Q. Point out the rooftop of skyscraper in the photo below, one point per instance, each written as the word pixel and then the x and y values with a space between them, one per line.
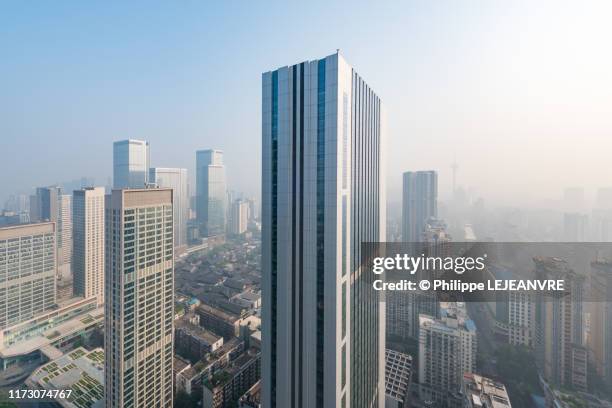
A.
pixel 455 315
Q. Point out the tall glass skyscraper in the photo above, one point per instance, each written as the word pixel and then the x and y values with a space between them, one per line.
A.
pixel 322 197
pixel 211 192
pixel 139 295
pixel 130 163
pixel 419 203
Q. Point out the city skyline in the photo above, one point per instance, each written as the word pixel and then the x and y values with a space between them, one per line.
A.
pixel 315 205
pixel 453 90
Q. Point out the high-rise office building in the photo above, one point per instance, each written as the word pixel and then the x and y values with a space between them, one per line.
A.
pixel 211 195
pixel 139 298
pixel 447 349
pixel 575 227
pixel 405 307
pixel 419 203
pixel 253 209
pixel 600 333
pixel 573 199
pixel 88 242
pixel 44 204
pixel 65 220
pixel 601 225
pixel 604 198
pixel 18 203
pixel 130 163
pixel 49 204
pixel 27 271
pixel 322 197
pixel 177 180
pixel 559 342
pixel 239 217
pixel 403 311
pixel 521 318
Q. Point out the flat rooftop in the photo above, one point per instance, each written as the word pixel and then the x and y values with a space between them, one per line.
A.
pixel 52 335
pixel 196 331
pixel 398 374
pixel 231 318
pixel 483 391
pixel 81 371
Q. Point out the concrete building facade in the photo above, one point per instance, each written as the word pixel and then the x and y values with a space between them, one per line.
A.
pixel 139 298
pixel 88 242
pixel 27 271
pixel 177 180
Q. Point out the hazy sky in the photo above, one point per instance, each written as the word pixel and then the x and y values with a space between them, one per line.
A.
pixel 519 92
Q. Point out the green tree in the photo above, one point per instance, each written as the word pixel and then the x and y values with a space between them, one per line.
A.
pixel 517 369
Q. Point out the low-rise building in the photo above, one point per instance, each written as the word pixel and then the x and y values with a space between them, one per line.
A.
pixel 179 365
pixel 78 375
pixel 251 398
pixel 225 387
pixel 255 339
pixel 398 378
pixel 188 377
pixel 34 340
pixel 480 392
pixel 249 324
pixel 247 299
pixel 194 342
pixel 222 323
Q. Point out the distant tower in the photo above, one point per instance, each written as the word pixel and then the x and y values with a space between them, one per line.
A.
pixel 88 242
pixel 211 195
pixel 130 163
pixel 419 203
pixel 176 179
pixel 50 204
pixel 239 216
pixel 455 167
pixel 560 326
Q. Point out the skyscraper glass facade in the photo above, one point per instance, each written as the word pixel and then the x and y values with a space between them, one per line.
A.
pixel 320 200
